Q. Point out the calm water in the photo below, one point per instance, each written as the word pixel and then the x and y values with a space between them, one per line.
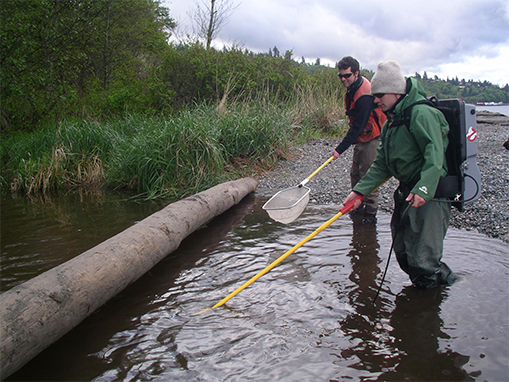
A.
pixel 310 318
pixel 40 233
pixel 502 109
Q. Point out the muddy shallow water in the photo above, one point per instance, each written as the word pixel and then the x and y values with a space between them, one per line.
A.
pixel 310 318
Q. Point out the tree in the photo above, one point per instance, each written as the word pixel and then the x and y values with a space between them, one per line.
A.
pixel 210 17
pixel 60 58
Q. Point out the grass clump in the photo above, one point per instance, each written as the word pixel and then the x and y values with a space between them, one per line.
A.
pixel 317 103
pixel 151 156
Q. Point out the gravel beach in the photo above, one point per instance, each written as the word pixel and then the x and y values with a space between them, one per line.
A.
pixel 489 214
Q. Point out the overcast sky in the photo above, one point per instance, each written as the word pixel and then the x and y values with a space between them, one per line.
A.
pixel 448 38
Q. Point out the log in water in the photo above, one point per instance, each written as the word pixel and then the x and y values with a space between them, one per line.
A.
pixel 38 312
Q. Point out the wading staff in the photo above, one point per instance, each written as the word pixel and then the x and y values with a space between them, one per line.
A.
pixel 342 211
pixel 396 230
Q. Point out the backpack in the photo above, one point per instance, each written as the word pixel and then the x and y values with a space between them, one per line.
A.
pixel 463 181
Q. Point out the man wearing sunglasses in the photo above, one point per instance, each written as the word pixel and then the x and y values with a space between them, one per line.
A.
pixel 415 155
pixel 366 120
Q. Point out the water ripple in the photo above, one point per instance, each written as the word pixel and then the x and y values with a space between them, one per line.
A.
pixel 310 318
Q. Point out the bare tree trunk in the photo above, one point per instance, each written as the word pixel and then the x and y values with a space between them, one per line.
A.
pixel 210 29
pixel 208 20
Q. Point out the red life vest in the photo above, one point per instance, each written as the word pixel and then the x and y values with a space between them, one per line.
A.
pixel 376 119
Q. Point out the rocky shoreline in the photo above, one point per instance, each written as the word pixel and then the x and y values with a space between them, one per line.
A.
pixel 489 215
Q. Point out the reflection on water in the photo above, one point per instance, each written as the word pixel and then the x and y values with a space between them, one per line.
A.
pixel 311 317
pixel 39 233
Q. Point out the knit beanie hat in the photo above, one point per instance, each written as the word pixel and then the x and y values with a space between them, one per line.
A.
pixel 388 79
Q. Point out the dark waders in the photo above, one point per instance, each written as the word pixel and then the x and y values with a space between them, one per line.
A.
pixel 418 240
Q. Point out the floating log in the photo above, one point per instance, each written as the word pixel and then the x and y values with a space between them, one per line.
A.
pixel 35 314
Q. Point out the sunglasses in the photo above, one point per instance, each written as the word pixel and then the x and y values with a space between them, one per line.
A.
pixel 346 75
pixel 379 95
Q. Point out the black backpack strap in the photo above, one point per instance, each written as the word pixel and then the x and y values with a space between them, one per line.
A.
pixel 407 113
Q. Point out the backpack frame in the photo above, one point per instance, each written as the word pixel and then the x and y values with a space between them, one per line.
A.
pixel 463 181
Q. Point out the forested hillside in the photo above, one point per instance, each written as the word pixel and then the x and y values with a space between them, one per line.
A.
pixel 98 59
pixel 469 90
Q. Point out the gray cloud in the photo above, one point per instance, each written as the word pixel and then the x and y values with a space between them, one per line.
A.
pixel 422 35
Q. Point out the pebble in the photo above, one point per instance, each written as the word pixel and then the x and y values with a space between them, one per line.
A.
pixel 488 215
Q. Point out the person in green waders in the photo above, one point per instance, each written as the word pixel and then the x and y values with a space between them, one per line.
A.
pixel 415 155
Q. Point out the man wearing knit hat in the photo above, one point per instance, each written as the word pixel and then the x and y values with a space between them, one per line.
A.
pixel 415 155
pixel 366 121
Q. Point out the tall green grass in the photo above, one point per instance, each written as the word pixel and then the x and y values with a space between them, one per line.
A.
pixel 152 156
pixel 170 156
pixel 318 104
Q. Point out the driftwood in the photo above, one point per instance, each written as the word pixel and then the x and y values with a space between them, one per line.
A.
pixel 35 314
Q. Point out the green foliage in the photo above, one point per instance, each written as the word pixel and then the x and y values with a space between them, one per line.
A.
pixel 197 74
pixel 158 119
pixel 55 156
pixel 97 59
pixel 56 56
pixel 470 91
